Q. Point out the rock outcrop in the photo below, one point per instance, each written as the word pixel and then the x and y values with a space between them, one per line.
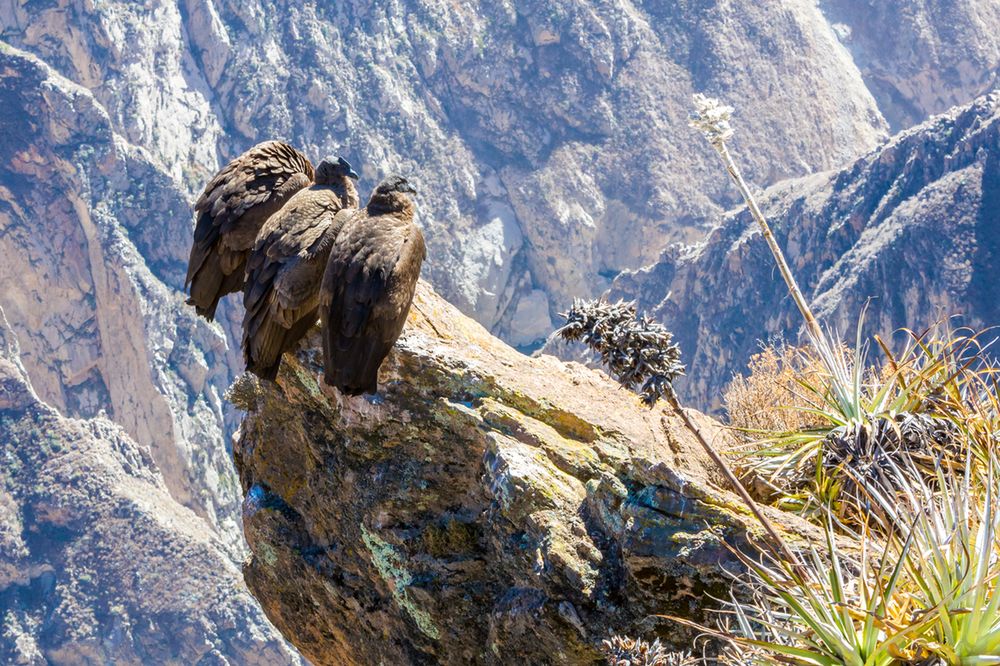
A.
pixel 484 507
pixel 913 226
pixel 98 563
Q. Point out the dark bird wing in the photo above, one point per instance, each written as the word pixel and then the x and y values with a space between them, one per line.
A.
pixel 367 289
pixel 231 211
pixel 283 277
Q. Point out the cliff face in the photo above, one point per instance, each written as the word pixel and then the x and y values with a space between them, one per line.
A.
pixel 548 139
pixel 484 507
pixel 98 563
pixel 94 239
pixel 923 57
pixel 912 226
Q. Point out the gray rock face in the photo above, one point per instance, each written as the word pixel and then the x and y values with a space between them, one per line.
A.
pixel 485 508
pixel 98 563
pixel 94 238
pixel 920 58
pixel 913 226
pixel 548 139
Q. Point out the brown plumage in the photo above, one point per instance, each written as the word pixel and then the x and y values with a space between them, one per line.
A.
pixel 285 268
pixel 231 211
pixel 368 287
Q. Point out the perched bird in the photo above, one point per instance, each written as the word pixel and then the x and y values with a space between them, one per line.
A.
pixel 285 268
pixel 232 210
pixel 368 287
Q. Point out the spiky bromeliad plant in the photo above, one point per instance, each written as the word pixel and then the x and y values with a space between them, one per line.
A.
pixel 923 592
pixel 624 651
pixel 921 403
pixel 863 422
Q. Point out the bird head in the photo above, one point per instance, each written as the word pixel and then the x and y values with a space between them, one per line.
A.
pixel 390 196
pixel 333 170
pixel 394 184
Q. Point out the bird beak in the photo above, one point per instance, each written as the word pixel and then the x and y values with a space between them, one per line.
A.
pixel 351 173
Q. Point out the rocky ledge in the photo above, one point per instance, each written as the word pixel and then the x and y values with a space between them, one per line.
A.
pixel 485 507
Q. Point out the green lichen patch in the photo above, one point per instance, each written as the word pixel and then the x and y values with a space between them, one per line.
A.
pixel 390 566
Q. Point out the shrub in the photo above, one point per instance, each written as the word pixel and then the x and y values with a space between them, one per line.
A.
pixel 769 399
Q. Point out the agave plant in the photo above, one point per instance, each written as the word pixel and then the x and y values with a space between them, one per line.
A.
pixel 847 611
pixel 922 589
pixel 952 568
pixel 862 423
pixel 908 452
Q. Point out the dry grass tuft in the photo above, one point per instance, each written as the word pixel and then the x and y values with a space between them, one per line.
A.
pixel 770 398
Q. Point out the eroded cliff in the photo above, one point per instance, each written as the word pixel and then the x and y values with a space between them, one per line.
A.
pixel 99 563
pixel 94 238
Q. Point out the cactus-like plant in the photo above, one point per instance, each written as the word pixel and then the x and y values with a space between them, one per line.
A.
pixel 624 651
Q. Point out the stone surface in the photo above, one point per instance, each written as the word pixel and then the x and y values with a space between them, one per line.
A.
pixel 920 58
pixel 95 240
pixel 484 507
pixel 98 563
pixel 912 228
pixel 548 139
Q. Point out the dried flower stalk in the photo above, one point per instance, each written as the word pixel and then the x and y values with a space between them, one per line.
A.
pixel 712 119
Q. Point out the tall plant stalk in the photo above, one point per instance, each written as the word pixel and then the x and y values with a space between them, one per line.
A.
pixel 779 546
pixel 713 120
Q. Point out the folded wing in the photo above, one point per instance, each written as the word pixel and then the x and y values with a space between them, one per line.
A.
pixel 367 289
pixel 284 271
pixel 230 213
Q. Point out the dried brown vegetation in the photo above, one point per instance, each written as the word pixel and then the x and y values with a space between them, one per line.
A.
pixel 770 398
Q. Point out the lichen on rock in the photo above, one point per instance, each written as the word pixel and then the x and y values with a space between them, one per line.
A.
pixel 484 507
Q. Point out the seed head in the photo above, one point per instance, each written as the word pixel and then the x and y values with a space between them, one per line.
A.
pixel 711 118
pixel 639 352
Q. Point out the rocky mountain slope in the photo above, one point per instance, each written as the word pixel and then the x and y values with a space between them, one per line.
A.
pixel 548 139
pixel 95 238
pixel 913 226
pixel 98 562
pixel 484 508
pixel 920 58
